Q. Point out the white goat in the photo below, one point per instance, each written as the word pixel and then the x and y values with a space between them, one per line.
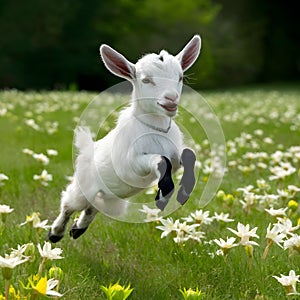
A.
pixel 146 144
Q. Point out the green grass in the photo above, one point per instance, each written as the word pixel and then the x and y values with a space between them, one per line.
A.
pixel 112 251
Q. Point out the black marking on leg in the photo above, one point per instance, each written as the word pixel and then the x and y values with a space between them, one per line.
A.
pixel 187 183
pixel 165 183
pixel 76 232
pixel 53 238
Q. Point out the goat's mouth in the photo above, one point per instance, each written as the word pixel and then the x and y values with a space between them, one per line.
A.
pixel 169 107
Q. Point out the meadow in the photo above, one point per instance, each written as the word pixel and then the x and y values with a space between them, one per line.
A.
pixel 256 206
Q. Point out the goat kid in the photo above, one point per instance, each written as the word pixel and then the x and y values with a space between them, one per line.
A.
pixel 145 146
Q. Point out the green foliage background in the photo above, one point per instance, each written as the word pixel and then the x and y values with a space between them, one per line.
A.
pixel 54 44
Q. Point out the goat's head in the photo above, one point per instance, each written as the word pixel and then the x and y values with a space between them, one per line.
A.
pixel 156 78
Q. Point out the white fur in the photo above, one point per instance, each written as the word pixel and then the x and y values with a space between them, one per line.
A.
pixel 126 160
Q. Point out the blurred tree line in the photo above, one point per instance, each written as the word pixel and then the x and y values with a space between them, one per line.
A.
pixel 55 44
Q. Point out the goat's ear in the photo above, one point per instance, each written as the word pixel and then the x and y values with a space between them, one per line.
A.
pixel 117 63
pixel 189 53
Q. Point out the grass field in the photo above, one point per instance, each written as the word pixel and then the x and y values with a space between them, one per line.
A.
pixel 261 127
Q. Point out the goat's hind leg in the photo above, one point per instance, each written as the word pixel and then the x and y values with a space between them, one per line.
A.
pixel 187 183
pixel 82 224
pixel 72 200
pixel 58 227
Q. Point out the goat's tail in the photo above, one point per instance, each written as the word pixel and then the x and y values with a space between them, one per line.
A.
pixel 84 141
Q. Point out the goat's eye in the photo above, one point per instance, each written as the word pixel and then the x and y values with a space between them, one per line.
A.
pixel 146 80
pixel 180 78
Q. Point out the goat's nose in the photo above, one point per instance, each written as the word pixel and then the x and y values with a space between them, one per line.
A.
pixel 171 96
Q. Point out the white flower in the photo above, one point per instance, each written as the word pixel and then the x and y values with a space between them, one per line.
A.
pixel 283 193
pixel 222 217
pixel 276 212
pixel 31 123
pixel 2 178
pixel 151 191
pixel 277 156
pixel 168 226
pixel 282 171
pixel 41 158
pixel 44 177
pixel 268 199
pixel 200 217
pixel 5 209
pixel 293 189
pixel 11 261
pixel 184 232
pixel 258 132
pixel 249 200
pixel 51 284
pixel 286 225
pixel 225 245
pixel 47 252
pixel 45 287
pixel 246 189
pixel 20 250
pixel 293 243
pixel 36 222
pixel 244 233
pixel 268 140
pixel 151 213
pixel 69 178
pixel 289 281
pixel 275 234
pixel 52 152
pixel 28 151
pixel 196 235
pixel 3 112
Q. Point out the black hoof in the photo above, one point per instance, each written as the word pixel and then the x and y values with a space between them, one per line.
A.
pixel 76 232
pixel 54 238
pixel 162 201
pixel 187 183
pixel 182 196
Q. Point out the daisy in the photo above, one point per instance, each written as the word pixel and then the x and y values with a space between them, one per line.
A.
pixel 47 252
pixel 43 178
pixel 41 158
pixel 286 226
pixel 11 261
pixel 289 282
pixel 275 234
pixel 2 178
pixel 5 209
pixel 293 243
pixel 52 152
pixel 222 217
pixel 151 213
pixel 226 245
pixel 293 189
pixel 168 226
pixel 244 233
pixel 199 217
pixel 196 235
pixel 276 212
pixel 36 222
pixel 28 151
pixel 184 232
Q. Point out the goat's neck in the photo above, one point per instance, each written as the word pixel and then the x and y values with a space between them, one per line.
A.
pixel 156 120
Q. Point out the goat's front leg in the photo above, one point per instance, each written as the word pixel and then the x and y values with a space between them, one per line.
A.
pixel 162 167
pixel 165 183
pixel 187 183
